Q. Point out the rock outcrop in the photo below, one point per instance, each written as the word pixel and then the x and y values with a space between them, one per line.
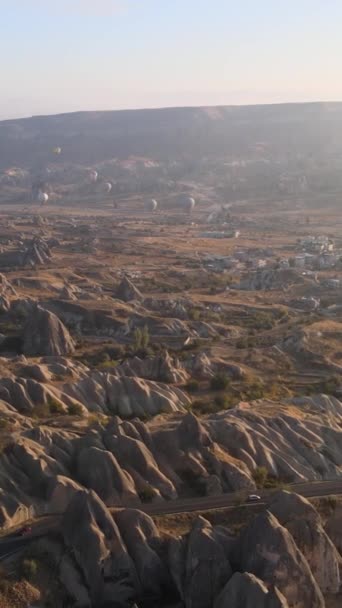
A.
pixel 127 291
pixel 100 554
pixel 119 558
pixel 267 549
pixel 304 523
pixel 244 590
pixel 162 368
pixel 126 461
pixel 267 279
pixel 199 565
pixel 45 334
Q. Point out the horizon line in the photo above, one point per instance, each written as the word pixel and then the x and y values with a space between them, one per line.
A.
pixel 175 107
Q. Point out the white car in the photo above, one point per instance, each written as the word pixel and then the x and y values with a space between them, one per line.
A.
pixel 253 498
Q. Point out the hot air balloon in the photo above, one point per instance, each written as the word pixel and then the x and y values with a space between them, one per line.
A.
pixel 93 175
pixel 107 187
pixel 57 150
pixel 187 203
pixel 42 197
pixel 151 205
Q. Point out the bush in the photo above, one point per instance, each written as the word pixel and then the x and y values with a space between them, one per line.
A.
pixel 330 385
pixel 75 409
pixel 329 502
pixel 96 418
pixel 41 410
pixel 141 338
pixel 55 407
pixel 201 407
pixel 147 494
pixel 29 568
pixel 194 314
pixel 260 475
pixel 219 382
pixel 242 343
pixel 108 365
pixel 224 402
pixel 192 386
pixel 4 424
pixel 253 389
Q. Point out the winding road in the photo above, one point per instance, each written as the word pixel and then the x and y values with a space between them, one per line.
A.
pixel 13 542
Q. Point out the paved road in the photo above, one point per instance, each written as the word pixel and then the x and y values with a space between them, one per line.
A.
pixel 207 503
pixel 11 543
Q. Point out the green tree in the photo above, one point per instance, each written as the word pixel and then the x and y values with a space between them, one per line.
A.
pixel 145 337
pixel 137 338
pixel 260 476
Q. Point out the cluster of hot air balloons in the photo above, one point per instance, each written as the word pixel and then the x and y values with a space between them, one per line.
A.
pixel 185 202
pixel 94 176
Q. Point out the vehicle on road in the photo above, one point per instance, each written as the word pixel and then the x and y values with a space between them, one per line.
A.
pixel 253 498
pixel 25 531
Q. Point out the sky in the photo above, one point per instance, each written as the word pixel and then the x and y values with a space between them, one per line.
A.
pixel 70 55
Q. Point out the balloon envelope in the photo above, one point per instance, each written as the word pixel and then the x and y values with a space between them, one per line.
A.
pixel 93 175
pixel 57 150
pixel 151 205
pixel 43 197
pixel 108 187
pixel 187 202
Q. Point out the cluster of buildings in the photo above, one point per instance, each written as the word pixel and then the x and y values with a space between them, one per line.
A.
pixel 316 253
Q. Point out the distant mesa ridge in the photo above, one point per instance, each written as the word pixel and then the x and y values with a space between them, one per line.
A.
pixel 88 137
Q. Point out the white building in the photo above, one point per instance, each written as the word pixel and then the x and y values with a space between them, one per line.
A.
pixel 300 261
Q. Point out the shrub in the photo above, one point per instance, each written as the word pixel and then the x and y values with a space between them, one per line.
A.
pixel 41 410
pixel 29 568
pixel 4 424
pixel 58 378
pixel 330 385
pixel 194 314
pixel 263 320
pixel 75 409
pixel 329 502
pixel 260 475
pixel 253 389
pixel 200 407
pixel 242 343
pixel 192 386
pixel 55 407
pixel 141 338
pixel 224 402
pixel 96 418
pixel 146 494
pixel 107 365
pixel 219 382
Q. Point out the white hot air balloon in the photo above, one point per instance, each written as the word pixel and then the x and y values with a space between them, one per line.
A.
pixel 151 205
pixel 42 197
pixel 57 150
pixel 187 203
pixel 108 187
pixel 93 175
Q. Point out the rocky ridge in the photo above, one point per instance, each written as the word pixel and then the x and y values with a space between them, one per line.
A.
pixel 129 461
pixel 121 557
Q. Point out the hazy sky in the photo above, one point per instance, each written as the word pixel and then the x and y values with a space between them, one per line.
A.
pixel 67 55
